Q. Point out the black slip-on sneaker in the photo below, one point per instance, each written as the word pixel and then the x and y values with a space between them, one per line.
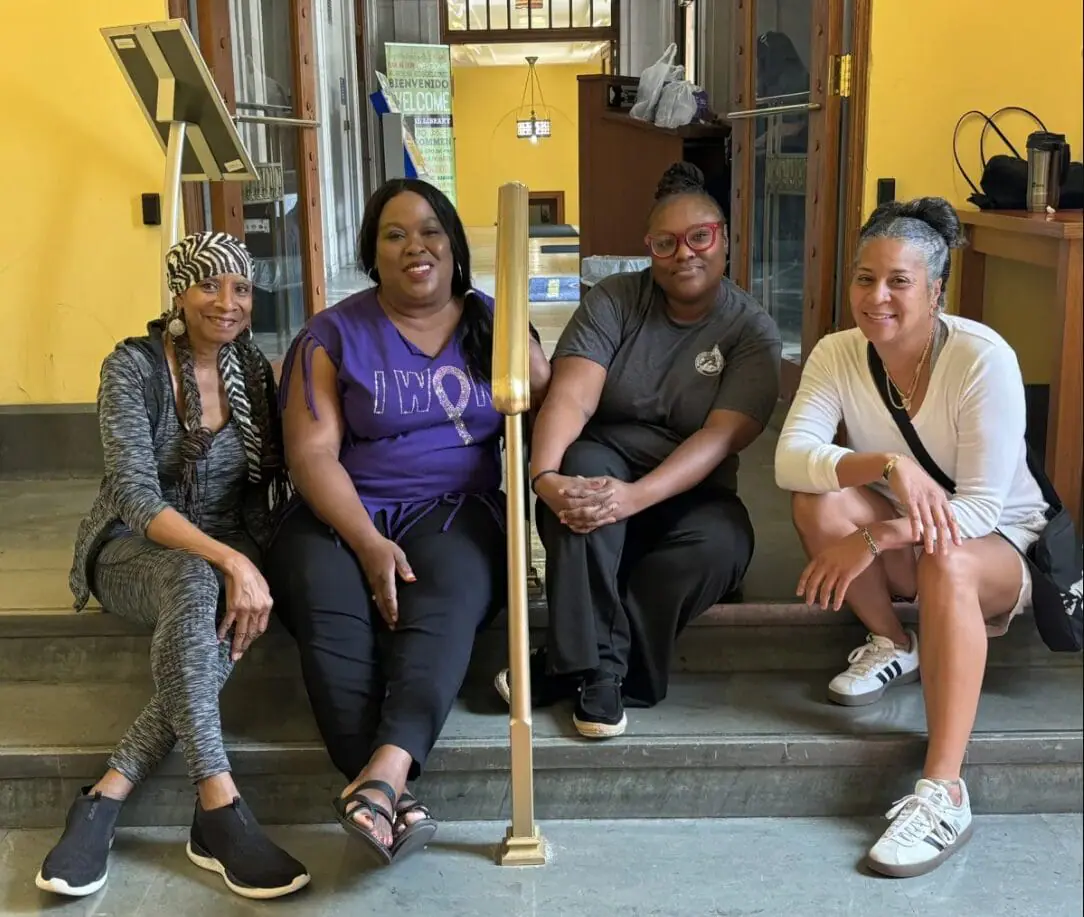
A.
pixel 79 863
pixel 600 712
pixel 232 843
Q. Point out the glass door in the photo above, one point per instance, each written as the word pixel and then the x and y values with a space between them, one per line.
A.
pixel 264 79
pixel 341 125
pixel 786 128
pixel 261 53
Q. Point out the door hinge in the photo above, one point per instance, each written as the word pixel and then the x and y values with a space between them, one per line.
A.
pixel 841 75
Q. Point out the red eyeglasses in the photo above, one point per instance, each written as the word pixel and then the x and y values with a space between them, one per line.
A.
pixel 698 238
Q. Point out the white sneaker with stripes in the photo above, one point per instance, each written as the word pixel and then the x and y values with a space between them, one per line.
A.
pixel 874 667
pixel 927 828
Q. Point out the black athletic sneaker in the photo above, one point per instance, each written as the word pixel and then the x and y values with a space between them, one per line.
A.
pixel 231 842
pixel 600 713
pixel 546 689
pixel 78 864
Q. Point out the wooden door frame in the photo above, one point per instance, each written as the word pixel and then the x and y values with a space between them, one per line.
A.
pixel 742 94
pixel 227 204
pixel 192 206
pixel 823 183
pixel 857 120
pixel 823 177
pixel 306 92
pixel 213 17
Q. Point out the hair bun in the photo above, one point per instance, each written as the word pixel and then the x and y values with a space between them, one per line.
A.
pixel 935 212
pixel 680 178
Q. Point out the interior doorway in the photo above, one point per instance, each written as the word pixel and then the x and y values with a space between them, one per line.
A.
pixel 547 208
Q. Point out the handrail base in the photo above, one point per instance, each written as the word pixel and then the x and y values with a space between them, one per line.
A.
pixel 522 851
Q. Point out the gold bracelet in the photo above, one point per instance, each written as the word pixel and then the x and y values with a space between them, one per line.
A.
pixel 890 466
pixel 870 543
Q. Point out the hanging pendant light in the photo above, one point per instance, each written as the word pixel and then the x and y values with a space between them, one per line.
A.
pixel 532 128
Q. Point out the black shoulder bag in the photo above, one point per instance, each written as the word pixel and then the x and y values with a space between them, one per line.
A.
pixel 1056 559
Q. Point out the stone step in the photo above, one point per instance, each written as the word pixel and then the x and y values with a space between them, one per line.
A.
pixel 735 744
pixel 93 646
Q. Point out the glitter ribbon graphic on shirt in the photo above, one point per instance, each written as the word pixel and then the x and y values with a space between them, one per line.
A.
pixel 454 411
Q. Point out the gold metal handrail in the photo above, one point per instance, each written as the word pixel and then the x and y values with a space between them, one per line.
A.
pixel 523 844
pixel 511 381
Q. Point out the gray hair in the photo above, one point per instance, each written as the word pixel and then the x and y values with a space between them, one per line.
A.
pixel 929 225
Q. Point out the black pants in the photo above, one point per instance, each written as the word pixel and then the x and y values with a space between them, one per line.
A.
pixel 619 596
pixel 368 685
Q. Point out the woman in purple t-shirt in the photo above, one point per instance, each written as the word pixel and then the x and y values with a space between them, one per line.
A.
pixel 394 554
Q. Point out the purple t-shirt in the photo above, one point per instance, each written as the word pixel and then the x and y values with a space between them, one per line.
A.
pixel 418 429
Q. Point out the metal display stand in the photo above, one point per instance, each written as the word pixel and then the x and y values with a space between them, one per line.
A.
pixel 171 82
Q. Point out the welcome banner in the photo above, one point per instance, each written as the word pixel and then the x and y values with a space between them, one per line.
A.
pixel 420 77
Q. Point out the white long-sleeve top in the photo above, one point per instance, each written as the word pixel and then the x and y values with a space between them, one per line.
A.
pixel 971 422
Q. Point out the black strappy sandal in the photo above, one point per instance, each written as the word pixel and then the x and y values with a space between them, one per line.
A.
pixel 377 849
pixel 416 834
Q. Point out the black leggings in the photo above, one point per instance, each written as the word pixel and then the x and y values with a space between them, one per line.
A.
pixel 370 686
pixel 619 596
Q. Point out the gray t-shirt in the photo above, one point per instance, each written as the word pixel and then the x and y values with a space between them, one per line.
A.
pixel 664 378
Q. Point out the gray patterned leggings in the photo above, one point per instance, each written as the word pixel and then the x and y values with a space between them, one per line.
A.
pixel 181 595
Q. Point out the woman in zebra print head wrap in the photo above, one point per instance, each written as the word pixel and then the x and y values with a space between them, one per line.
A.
pixel 193 473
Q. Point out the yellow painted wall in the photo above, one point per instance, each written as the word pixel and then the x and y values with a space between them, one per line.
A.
pixel 78 270
pixel 485 103
pixel 933 60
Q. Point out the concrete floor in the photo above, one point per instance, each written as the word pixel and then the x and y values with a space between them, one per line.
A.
pixel 1016 866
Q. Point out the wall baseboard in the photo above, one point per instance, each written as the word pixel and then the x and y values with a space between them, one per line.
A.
pixel 49 440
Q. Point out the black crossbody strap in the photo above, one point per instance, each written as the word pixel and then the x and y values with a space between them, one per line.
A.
pixel 880 382
pixel 1053 501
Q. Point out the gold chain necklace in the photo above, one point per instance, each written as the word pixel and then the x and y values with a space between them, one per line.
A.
pixel 902 401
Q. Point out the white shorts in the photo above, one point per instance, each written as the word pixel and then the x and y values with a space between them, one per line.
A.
pixel 1023 537
pixel 998 626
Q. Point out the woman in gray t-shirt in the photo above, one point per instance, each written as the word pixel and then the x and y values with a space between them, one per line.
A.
pixel 659 381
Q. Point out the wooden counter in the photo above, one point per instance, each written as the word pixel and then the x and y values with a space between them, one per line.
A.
pixel 1056 242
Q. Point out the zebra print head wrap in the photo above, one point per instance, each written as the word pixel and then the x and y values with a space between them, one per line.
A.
pixel 243 369
pixel 205 254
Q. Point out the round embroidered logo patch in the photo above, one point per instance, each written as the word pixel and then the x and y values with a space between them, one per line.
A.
pixel 710 362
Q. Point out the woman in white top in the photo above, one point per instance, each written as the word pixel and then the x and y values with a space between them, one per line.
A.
pixel 875 525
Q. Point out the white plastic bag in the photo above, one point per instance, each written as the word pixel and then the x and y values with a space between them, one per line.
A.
pixel 595 268
pixel 652 81
pixel 677 105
